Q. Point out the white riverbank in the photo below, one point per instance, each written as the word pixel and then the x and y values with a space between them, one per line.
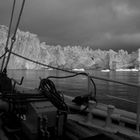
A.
pixel 127 70
pixel 117 70
pixel 78 69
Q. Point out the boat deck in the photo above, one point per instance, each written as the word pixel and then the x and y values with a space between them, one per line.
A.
pixel 122 124
pixel 97 120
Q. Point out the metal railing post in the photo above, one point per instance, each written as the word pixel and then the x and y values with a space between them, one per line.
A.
pixel 88 84
pixel 91 106
pixel 110 109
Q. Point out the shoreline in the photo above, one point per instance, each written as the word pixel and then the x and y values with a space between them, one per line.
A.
pixel 120 70
pixel 82 69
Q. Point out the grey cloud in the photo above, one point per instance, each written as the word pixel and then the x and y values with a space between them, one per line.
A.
pixel 83 22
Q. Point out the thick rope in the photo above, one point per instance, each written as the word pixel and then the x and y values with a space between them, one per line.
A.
pixel 70 76
pixel 48 89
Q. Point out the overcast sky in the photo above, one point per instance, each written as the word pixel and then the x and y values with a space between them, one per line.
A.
pixel 100 24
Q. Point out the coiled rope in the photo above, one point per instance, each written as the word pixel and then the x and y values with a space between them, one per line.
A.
pixel 48 89
pixel 80 73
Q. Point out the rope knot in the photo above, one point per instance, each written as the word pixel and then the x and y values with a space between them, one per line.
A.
pixel 13 39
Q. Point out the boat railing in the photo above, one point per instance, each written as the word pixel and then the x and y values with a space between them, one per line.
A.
pixel 127 84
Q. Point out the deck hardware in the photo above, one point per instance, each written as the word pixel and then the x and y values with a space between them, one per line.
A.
pixel 91 106
pixel 88 84
pixel 110 109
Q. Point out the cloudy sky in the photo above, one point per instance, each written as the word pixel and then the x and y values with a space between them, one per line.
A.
pixel 100 24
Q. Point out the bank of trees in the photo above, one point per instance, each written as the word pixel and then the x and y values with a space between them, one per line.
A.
pixel 68 57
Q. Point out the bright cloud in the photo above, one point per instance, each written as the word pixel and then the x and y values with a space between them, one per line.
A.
pixel 123 9
pixel 113 39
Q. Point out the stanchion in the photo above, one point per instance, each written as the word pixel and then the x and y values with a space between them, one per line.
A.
pixel 91 106
pixel 110 109
pixel 88 84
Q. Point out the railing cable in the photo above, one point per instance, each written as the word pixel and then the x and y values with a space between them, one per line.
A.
pixel 45 65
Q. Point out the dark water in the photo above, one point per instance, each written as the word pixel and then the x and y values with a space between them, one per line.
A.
pixel 78 85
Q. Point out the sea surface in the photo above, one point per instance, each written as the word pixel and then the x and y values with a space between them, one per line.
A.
pixel 78 85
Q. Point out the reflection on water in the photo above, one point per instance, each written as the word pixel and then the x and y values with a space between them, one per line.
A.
pixel 78 85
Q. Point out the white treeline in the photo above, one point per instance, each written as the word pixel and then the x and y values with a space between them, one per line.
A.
pixel 69 57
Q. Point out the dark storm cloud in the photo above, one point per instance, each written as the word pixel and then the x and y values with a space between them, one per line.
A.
pixel 98 23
